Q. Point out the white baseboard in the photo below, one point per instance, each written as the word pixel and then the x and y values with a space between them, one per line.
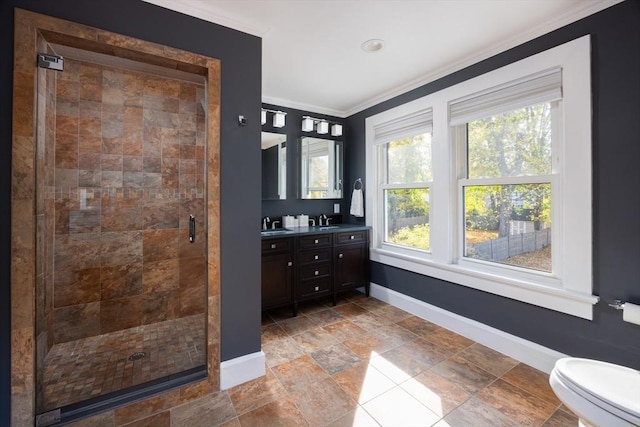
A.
pixel 530 353
pixel 241 369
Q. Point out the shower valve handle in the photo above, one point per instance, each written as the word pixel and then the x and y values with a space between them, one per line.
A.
pixel 192 228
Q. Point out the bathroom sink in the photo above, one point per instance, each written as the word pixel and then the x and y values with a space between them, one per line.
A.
pixel 328 227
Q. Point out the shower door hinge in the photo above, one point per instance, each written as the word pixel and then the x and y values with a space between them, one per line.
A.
pixel 51 62
pixel 48 418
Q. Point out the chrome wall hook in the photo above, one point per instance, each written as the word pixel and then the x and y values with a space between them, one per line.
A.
pixel 617 304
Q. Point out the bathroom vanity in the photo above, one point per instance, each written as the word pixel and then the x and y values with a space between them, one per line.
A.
pixel 313 262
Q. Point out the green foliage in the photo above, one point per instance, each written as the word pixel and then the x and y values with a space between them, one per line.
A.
pixel 416 236
pixel 515 143
pixel 405 203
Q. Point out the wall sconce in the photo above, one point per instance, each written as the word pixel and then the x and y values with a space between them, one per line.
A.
pixel 321 126
pixel 307 124
pixel 278 117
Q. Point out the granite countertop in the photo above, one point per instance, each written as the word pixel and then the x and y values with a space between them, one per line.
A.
pixel 321 229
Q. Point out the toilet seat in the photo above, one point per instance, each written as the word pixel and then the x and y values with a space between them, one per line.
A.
pixel 613 388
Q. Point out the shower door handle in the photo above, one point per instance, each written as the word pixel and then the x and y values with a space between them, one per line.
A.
pixel 192 228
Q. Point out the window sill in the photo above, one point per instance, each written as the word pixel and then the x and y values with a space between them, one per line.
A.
pixel 561 300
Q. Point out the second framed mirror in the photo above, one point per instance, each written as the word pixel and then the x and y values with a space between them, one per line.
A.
pixel 320 168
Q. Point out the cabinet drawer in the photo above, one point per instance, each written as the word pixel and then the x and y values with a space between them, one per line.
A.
pixel 276 245
pixel 314 288
pixel 351 237
pixel 315 271
pixel 315 241
pixel 319 255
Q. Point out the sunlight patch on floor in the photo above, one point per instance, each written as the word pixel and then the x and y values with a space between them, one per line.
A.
pixel 392 397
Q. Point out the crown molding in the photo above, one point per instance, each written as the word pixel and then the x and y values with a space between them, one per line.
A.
pixel 200 9
pixel 305 107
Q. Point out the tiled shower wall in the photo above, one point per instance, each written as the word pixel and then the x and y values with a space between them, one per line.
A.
pixel 129 170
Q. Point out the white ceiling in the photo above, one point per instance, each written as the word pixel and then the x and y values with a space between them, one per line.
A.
pixel 311 55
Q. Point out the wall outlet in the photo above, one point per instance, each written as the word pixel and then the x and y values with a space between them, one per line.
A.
pixel 336 208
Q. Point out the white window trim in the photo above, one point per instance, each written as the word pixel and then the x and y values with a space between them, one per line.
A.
pixel 570 292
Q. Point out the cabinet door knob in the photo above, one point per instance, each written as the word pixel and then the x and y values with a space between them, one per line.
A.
pixel 352 237
pixel 273 246
pixel 317 288
pixel 289 264
pixel 315 273
pixel 315 241
pixel 341 256
pixel 315 257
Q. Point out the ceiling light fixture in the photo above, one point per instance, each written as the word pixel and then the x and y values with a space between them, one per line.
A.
pixel 372 45
pixel 336 130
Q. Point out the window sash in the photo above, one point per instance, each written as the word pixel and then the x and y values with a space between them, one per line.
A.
pixel 385 219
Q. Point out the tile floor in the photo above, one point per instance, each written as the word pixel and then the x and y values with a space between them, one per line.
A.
pixel 366 363
pixel 94 366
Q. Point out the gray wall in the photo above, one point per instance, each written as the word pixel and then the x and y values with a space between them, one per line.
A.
pixel 616 199
pixel 240 152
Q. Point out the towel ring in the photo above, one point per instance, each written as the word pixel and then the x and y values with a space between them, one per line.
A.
pixel 355 184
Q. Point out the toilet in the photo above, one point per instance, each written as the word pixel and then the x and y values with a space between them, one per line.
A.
pixel 601 394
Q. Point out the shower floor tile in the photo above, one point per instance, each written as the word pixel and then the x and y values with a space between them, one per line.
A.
pixel 94 366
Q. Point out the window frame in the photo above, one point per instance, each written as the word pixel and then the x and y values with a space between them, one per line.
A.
pixel 569 288
pixel 553 178
pixel 385 185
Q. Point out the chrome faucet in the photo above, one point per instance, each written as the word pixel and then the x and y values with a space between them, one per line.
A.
pixel 265 220
pixel 273 224
pixel 321 217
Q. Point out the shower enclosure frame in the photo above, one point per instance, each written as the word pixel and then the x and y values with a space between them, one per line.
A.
pixel 31 30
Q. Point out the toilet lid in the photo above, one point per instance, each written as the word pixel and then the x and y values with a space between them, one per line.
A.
pixel 618 386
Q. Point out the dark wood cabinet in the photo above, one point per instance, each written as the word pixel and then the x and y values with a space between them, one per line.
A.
pixel 313 265
pixel 277 272
pixel 351 267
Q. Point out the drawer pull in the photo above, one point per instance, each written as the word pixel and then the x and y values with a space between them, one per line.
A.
pixel 341 256
pixel 273 246
pixel 352 237
pixel 315 257
pixel 289 264
pixel 315 273
pixel 315 241
pixel 317 288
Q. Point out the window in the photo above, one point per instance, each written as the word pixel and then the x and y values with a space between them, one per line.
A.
pixel 406 191
pixel 487 183
pixel 506 150
pixel 406 175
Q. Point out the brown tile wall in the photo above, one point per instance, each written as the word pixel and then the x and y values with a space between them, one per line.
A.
pixel 129 169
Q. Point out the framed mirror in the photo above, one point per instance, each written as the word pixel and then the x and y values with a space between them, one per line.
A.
pixel 320 168
pixel 274 166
